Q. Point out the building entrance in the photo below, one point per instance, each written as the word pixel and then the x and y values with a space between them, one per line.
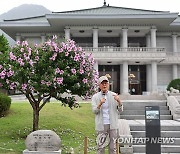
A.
pixel 137 79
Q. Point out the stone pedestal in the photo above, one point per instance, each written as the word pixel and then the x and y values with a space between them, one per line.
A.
pixel 41 152
pixel 42 142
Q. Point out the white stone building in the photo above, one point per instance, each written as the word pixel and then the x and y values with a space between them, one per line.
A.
pixel 140 49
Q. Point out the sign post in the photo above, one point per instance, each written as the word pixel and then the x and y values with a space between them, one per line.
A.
pixel 153 130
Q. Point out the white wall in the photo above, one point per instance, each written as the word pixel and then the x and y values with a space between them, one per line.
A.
pixel 178 44
pixel 34 40
pixel 178 71
pixel 164 76
pixel 165 42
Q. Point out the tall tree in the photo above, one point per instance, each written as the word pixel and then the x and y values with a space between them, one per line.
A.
pixel 4 44
pixel 48 70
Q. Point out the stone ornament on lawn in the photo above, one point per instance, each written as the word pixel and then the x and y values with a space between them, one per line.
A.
pixel 43 141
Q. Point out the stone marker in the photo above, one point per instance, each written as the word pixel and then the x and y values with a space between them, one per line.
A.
pixel 42 142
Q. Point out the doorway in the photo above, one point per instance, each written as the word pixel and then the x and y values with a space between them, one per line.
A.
pixel 137 79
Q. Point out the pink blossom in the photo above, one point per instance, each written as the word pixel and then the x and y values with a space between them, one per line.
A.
pixel 32 89
pixel 3 74
pixel 66 54
pixel 7 81
pixel 61 72
pixel 59 80
pixel 12 56
pixel 80 49
pixel 56 49
pixel 1 66
pixel 24 86
pixel 48 83
pixel 10 73
pixel 18 43
pixel 83 62
pixel 76 57
pixel 64 45
pixel 53 57
pixel 24 43
pixel 31 62
pixel 37 58
pixel 69 49
pixel 81 71
pixel 29 51
pixel 43 82
pixel 73 71
pixel 61 50
pixel 48 43
pixel 57 70
pixel 1 84
pixel 20 61
pixel 22 49
pixel 12 85
pixel 75 48
pixel 84 80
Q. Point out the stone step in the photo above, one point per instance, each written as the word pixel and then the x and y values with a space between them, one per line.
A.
pixel 142 112
pixel 154 103
pixel 142 117
pixel 141 107
pixel 163 128
pixel 176 134
pixel 164 149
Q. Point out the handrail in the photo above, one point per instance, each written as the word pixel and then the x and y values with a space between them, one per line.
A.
pixel 121 49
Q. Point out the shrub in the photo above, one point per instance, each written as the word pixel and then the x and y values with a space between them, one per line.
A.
pixel 175 84
pixel 5 103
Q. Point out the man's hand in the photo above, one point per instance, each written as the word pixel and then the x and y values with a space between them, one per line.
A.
pixel 116 97
pixel 102 100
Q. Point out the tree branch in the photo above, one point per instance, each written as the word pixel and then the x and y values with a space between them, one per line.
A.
pixel 44 103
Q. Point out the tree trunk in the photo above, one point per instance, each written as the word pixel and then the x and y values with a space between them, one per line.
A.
pixel 35 119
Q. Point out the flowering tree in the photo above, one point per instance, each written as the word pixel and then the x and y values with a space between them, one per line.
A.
pixel 44 71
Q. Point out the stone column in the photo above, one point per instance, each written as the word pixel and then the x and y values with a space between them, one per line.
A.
pixel 96 66
pixel 153 37
pixel 174 41
pixel 148 78
pixel 125 83
pixel 18 37
pixel 148 41
pixel 67 33
pixel 154 76
pixel 43 38
pixel 174 71
pixel 121 78
pixel 95 37
pixel 124 37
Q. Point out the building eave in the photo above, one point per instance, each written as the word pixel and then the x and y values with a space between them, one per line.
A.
pixel 117 16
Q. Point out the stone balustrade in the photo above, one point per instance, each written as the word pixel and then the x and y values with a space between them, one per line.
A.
pixel 174 107
pixel 120 49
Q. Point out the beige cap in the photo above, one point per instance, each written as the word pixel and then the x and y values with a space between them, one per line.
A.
pixel 103 78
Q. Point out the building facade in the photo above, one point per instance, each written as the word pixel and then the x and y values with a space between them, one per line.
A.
pixel 140 49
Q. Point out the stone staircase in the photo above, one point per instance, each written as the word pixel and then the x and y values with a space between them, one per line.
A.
pixel 134 112
pixel 134 109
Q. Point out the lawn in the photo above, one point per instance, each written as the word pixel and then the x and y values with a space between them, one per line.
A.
pixel 71 126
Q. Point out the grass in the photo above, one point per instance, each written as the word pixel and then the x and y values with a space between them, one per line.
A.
pixel 71 126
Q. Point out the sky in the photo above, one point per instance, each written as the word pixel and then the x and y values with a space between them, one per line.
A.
pixel 67 5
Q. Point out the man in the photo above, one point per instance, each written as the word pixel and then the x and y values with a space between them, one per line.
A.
pixel 106 106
